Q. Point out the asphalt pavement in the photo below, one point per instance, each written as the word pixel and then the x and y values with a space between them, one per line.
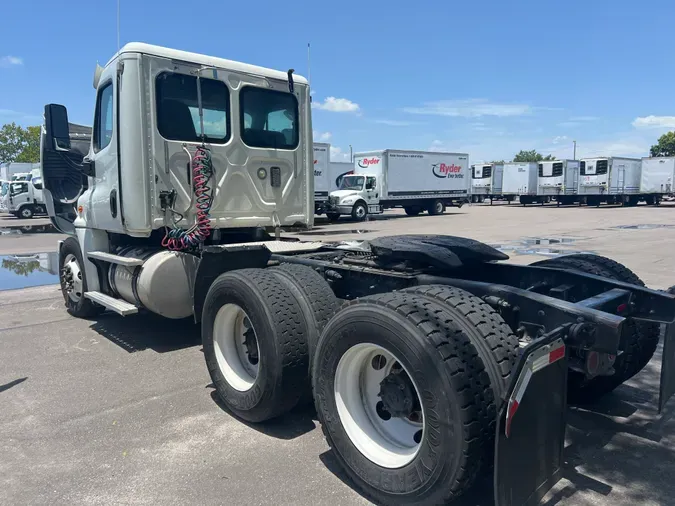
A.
pixel 121 411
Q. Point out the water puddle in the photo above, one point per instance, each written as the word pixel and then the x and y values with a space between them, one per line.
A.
pixel 336 232
pixel 644 226
pixel 28 229
pixel 23 271
pixel 528 246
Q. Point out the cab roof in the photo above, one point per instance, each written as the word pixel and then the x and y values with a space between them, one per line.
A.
pixel 208 61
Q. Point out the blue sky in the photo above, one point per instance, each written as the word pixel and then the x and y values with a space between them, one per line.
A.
pixel 488 78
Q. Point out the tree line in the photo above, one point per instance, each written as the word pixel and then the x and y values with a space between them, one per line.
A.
pixel 18 144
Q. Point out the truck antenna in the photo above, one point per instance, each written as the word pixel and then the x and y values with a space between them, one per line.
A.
pixel 118 26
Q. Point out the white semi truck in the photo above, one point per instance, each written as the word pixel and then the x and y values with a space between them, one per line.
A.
pixel 613 180
pixel 558 180
pixel 656 178
pixel 427 356
pixel 414 180
pixel 486 181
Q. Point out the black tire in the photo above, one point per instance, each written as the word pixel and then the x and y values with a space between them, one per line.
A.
pixel 435 348
pixel 640 339
pixel 496 344
pixel 436 208
pixel 333 216
pixel 360 211
pixel 412 210
pixel 26 213
pixel 80 308
pixel 280 328
pixel 317 300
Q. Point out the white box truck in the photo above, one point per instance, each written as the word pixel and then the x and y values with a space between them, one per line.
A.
pixel 656 179
pixel 322 181
pixel 520 178
pixel 486 181
pixel 25 198
pixel 558 180
pixel 613 180
pixel 413 180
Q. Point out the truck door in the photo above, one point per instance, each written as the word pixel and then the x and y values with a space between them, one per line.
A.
pixel 372 193
pixel 63 147
pixel 621 178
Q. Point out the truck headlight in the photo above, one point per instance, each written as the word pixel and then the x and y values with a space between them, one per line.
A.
pixel 349 200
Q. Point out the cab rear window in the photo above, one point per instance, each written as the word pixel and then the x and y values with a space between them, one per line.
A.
pixel 269 118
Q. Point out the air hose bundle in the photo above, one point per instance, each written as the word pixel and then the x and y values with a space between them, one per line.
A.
pixel 178 239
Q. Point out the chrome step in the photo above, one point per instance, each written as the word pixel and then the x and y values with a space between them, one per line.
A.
pixel 115 259
pixel 119 306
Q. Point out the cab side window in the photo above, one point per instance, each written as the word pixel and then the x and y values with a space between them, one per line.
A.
pixel 103 121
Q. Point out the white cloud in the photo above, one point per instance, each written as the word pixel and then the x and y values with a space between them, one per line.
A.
pixel 394 122
pixel 322 136
pixel 559 139
pixel 654 122
pixel 336 105
pixel 10 61
pixel 22 118
pixel 470 108
pixel 336 155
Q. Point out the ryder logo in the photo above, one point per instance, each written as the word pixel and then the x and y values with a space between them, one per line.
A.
pixel 366 162
pixel 443 170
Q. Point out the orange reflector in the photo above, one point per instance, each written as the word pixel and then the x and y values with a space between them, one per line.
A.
pixel 80 209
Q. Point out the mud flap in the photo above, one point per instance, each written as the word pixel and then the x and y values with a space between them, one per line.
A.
pixel 667 388
pixel 531 426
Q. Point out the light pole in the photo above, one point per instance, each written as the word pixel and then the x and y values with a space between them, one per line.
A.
pixel 575 149
pixel 351 156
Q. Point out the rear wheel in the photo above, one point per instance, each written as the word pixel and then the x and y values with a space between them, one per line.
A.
pixel 412 210
pixel 255 345
pixel 403 399
pixel 639 340
pixel 436 207
pixel 360 211
pixel 74 281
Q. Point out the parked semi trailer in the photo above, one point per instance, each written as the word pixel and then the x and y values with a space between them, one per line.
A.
pixel 486 182
pixel 431 360
pixel 558 180
pixel 414 180
pixel 520 179
pixel 611 180
pixel 322 179
pixel 656 179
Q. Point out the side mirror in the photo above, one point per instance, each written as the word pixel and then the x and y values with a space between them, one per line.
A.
pixel 57 135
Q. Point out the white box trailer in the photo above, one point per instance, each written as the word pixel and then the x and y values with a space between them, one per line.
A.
pixel 322 180
pixel 609 179
pixel 486 181
pixel 558 180
pixel 520 178
pixel 656 179
pixel 413 180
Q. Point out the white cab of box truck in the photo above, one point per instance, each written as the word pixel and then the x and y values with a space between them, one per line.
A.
pixel 24 197
pixel 413 180
pixel 322 179
pixel 656 179
pixel 520 178
pixel 612 180
pixel 557 180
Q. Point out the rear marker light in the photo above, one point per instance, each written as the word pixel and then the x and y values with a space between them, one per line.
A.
pixel 540 359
